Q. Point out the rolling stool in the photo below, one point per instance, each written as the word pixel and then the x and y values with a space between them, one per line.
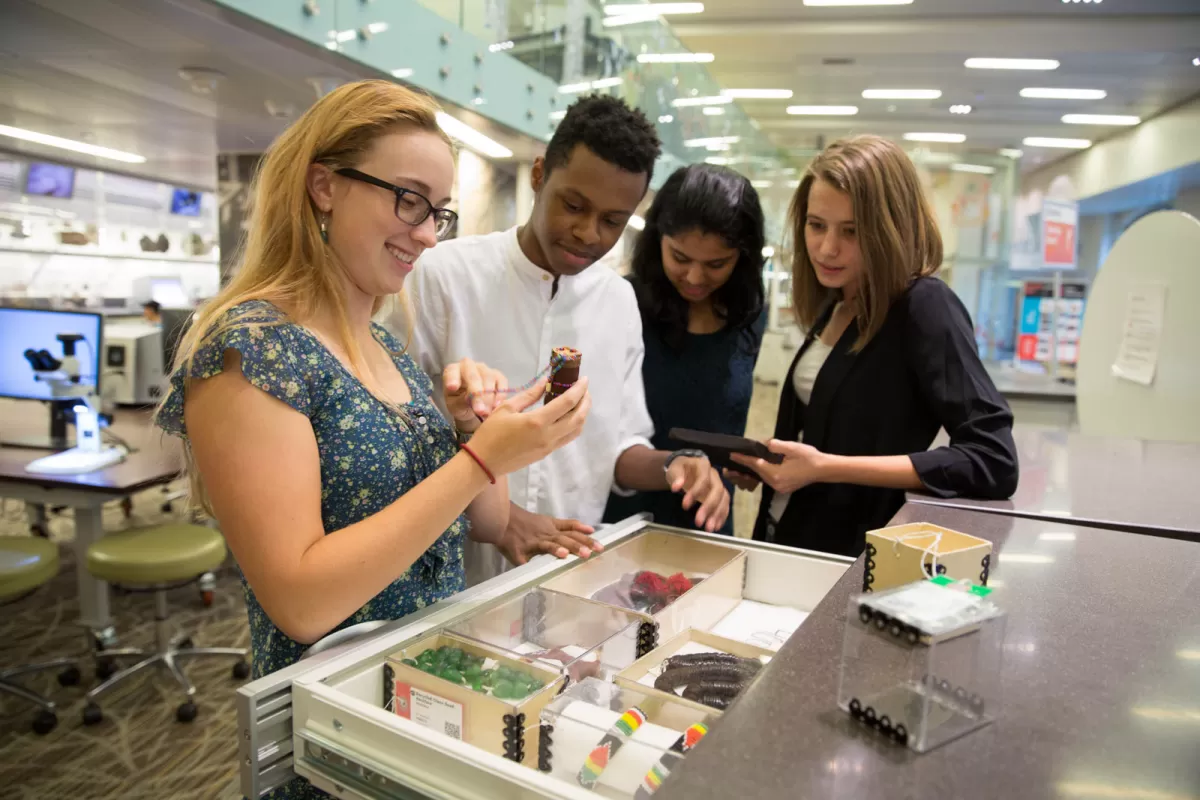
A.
pixel 156 559
pixel 26 564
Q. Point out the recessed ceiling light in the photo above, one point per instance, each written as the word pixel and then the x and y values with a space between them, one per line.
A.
pixel 1196 62
pixel 1046 141
pixel 558 115
pixel 705 142
pixel 948 138
pixel 70 144
pixel 1011 152
pixel 980 169
pixel 758 94
pixel 1064 94
pixel 602 83
pixel 823 111
pixel 1101 119
pixel 767 251
pixel 658 9
pixel 961 109
pixel 665 119
pixel 713 111
pixel 457 129
pixel 1011 63
pixel 675 58
pixel 500 47
pixel 405 72
pixel 857 2
pixel 716 100
pixel 902 94
pixel 636 222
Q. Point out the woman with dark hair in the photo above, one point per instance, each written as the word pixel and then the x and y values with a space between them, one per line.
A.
pixel 697 273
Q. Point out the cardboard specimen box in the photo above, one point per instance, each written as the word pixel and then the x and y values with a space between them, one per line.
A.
pixel 903 554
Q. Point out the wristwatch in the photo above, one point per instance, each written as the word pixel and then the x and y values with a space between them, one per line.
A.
pixel 683 454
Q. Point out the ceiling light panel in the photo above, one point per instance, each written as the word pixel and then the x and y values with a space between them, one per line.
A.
pixel 70 144
pixel 1012 63
pixel 945 138
pixel 1101 119
pixel 902 94
pixel 1064 94
pixel 823 111
pixel 1048 141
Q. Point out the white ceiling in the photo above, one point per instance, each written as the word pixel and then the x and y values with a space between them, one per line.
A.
pixel 1139 51
pixel 107 72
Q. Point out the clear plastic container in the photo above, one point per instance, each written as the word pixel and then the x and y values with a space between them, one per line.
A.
pixel 581 638
pixel 921 663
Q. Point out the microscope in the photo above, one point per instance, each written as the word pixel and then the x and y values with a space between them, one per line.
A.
pixel 66 381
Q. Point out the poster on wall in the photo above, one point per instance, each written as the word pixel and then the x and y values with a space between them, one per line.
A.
pixel 1060 224
pixel 1035 337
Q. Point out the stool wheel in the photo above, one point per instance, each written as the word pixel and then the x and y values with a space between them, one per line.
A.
pixel 241 671
pixel 92 715
pixel 166 508
pixel 186 644
pixel 186 711
pixel 69 677
pixel 206 597
pixel 38 529
pixel 44 722
pixel 105 669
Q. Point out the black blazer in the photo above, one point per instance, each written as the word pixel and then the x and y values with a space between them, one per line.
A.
pixel 921 372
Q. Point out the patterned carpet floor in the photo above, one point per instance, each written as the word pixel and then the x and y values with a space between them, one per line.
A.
pixel 139 750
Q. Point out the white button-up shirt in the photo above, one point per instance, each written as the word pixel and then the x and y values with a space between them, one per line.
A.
pixel 480 297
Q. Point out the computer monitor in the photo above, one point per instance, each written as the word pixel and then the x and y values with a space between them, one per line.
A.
pixel 32 330
pixel 50 180
pixel 185 202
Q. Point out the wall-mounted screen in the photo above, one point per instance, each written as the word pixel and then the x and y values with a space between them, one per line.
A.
pixel 50 180
pixel 185 202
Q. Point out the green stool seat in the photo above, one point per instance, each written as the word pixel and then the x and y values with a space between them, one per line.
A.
pixel 26 562
pixel 155 555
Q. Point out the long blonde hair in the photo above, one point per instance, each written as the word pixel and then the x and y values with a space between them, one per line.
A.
pixel 896 230
pixel 283 258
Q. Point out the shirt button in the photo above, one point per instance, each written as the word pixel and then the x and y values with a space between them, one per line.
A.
pixel 545 277
pixel 429 439
pixel 770 528
pixel 422 420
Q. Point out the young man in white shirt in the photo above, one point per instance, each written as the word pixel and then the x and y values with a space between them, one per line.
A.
pixel 509 298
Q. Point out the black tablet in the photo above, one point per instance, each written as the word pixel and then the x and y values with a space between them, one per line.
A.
pixel 719 446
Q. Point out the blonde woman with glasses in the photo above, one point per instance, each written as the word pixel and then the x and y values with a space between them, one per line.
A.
pixel 311 435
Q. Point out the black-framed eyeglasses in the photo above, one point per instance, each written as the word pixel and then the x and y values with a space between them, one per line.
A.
pixel 411 207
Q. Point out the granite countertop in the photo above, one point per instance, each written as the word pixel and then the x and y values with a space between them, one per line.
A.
pixel 1100 685
pixel 1126 484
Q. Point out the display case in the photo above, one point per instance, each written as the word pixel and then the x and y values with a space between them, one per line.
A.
pixel 921 663
pixel 580 638
pixel 617 741
pixel 672 583
pixel 697 666
pixel 469 692
pixel 326 720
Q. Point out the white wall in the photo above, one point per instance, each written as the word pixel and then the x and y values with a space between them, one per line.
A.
pixel 1164 143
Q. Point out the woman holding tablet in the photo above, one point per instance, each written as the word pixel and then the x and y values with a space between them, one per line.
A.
pixel 889 359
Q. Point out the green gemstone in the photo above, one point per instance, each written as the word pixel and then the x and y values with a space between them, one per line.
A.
pixel 477 685
pixel 504 689
pixel 450 674
pixel 430 668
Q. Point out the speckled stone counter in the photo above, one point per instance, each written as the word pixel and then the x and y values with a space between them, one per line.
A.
pixel 1100 690
pixel 1125 484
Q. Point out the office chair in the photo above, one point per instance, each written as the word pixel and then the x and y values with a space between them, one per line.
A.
pixel 27 563
pixel 156 559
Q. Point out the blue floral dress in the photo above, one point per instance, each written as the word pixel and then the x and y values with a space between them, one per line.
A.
pixel 370 456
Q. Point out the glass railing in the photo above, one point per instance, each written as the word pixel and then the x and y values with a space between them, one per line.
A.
pixel 637 62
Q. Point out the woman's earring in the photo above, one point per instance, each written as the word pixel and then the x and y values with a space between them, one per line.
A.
pixel 324 229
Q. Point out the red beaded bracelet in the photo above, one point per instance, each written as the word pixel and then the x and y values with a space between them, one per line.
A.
pixel 479 461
